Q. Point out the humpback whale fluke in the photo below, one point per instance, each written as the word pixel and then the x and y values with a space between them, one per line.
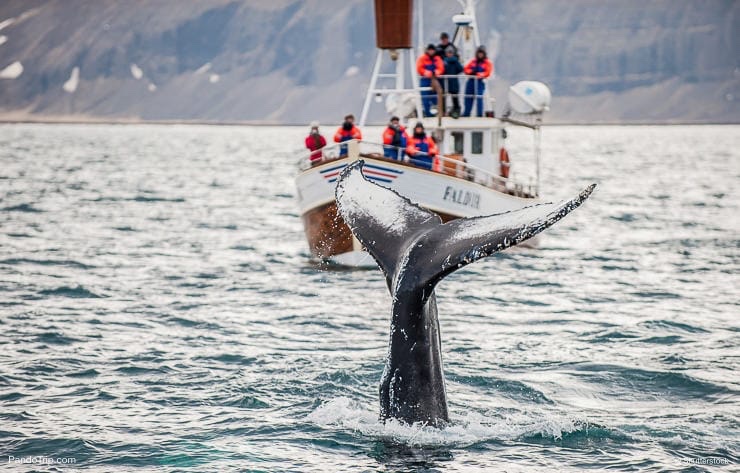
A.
pixel 415 250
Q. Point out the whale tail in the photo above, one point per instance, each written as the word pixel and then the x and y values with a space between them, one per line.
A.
pixel 399 234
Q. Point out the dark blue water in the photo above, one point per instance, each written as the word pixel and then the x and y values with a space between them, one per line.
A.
pixel 158 312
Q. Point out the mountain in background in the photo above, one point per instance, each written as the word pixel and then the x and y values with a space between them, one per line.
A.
pixel 287 61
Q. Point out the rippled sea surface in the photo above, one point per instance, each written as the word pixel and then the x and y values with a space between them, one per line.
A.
pixel 159 312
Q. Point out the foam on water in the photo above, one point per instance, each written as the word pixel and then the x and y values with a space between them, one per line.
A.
pixel 464 430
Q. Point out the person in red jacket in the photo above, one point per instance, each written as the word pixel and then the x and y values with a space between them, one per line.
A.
pixel 394 139
pixel 479 68
pixel 348 131
pixel 429 65
pixel 421 148
pixel 314 142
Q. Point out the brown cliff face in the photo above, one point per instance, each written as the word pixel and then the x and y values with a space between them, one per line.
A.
pixel 290 62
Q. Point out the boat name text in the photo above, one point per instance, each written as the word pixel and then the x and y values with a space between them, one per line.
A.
pixel 462 197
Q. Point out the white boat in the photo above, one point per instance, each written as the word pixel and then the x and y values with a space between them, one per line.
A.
pixel 470 176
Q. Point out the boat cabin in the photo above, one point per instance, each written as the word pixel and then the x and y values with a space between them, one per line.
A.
pixel 476 141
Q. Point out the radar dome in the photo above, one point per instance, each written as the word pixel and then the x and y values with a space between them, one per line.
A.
pixel 529 97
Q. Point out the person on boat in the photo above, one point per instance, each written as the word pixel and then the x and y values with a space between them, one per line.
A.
pixel 348 131
pixel 451 85
pixel 314 142
pixel 428 66
pixel 394 139
pixel 444 44
pixel 479 68
pixel 421 148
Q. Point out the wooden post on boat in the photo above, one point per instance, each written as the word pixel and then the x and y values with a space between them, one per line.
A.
pixel 437 87
pixel 353 149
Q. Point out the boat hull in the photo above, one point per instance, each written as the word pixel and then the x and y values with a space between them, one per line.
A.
pixel 326 232
pixel 446 193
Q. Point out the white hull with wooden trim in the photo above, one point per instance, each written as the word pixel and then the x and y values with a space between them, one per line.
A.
pixel 455 190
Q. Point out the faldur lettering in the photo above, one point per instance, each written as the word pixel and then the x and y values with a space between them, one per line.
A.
pixel 459 196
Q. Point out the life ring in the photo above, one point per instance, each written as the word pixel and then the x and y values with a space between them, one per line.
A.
pixel 503 158
pixel 436 164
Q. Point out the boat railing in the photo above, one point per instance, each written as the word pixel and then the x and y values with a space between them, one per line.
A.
pixel 327 153
pixel 454 103
pixel 450 165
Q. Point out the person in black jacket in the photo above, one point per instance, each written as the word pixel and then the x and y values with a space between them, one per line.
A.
pixel 444 43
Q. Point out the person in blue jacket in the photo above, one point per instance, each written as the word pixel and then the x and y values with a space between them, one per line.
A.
pixel 451 85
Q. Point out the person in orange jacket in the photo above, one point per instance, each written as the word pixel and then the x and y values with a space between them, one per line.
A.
pixel 348 131
pixel 479 68
pixel 429 65
pixel 421 148
pixel 394 139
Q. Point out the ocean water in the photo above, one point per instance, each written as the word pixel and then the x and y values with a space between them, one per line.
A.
pixel 159 312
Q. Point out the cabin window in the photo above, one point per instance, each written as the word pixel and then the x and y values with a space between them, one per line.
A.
pixel 457 142
pixel 476 142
